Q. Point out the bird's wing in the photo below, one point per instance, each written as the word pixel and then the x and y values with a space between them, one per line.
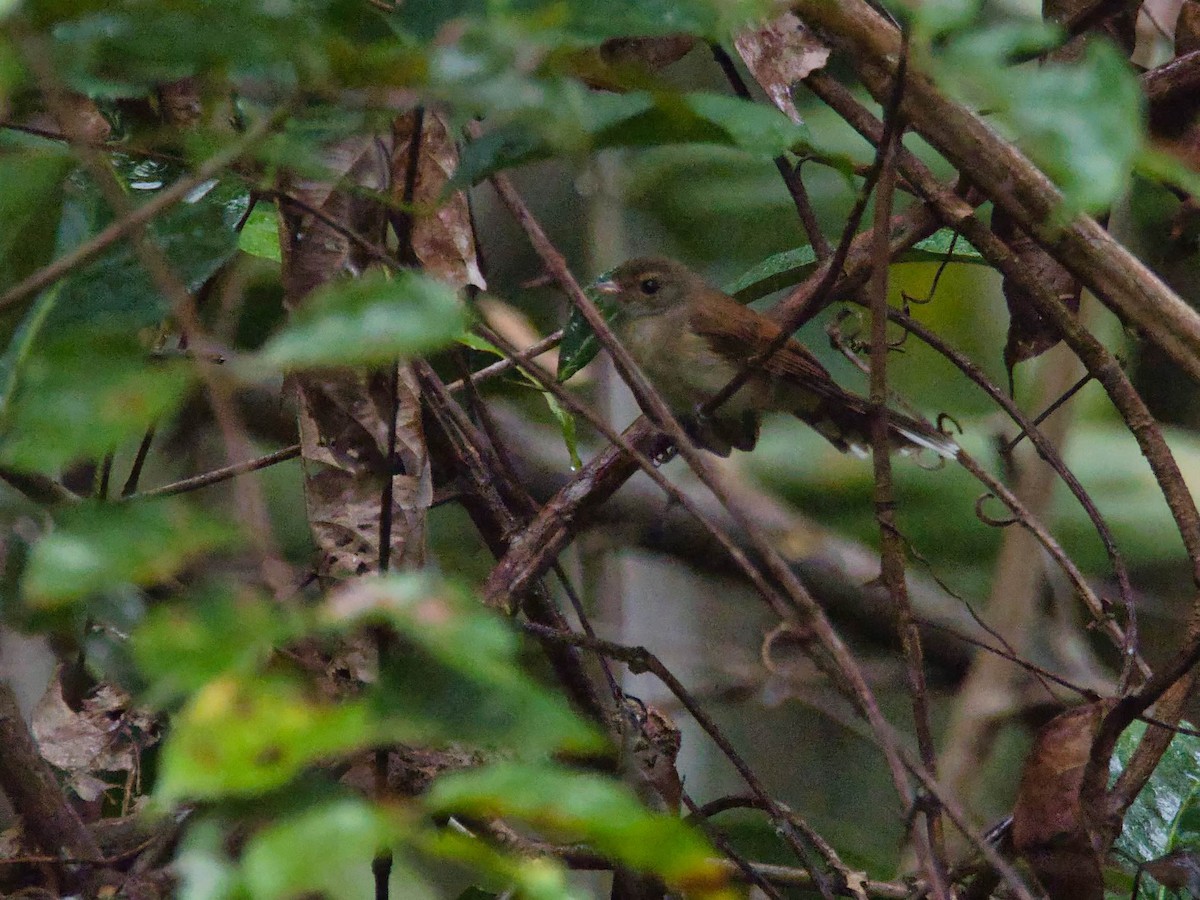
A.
pixel 739 333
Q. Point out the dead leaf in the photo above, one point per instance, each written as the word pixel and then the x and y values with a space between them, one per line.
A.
pixel 322 235
pixel 1176 871
pixel 516 328
pixel 106 735
pixel 1048 829
pixel 344 422
pixel 780 54
pixel 1030 334
pixel 351 420
pixel 1187 28
pixel 439 228
pixel 655 753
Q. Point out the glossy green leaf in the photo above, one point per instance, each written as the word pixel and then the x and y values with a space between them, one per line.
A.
pixel 260 235
pixel 198 236
pixel 573 805
pixel 366 321
pixel 792 266
pixel 566 425
pixel 81 395
pixel 280 861
pixel 1164 817
pixel 98 546
pixel 579 344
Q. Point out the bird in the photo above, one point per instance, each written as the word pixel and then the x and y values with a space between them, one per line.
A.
pixel 691 340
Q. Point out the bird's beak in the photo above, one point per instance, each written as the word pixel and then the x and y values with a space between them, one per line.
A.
pixel 608 286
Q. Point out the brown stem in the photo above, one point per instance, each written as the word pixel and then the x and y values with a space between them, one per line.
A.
pixel 50 821
pixel 931 848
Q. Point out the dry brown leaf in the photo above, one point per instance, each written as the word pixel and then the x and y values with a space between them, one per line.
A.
pixel 1030 334
pixel 1048 829
pixel 656 752
pixel 516 328
pixel 780 54
pixel 349 419
pixel 1176 871
pixel 344 422
pixel 314 251
pixel 105 735
pixel 440 233
pixel 1187 28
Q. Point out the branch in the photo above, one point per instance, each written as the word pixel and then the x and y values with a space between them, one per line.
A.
pixel 49 819
pixel 1013 183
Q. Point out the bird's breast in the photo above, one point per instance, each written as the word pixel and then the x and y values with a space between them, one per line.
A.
pixel 681 364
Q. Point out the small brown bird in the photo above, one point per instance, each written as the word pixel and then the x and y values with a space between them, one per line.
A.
pixel 691 340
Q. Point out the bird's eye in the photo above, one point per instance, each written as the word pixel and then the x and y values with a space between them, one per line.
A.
pixel 650 286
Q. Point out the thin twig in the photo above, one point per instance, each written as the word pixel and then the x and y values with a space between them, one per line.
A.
pixel 930 845
pixel 216 476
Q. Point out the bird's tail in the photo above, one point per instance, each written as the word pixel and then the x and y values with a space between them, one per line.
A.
pixel 844 420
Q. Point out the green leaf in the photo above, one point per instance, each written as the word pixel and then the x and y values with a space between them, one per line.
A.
pixel 579 344
pixel 181 647
pixel 260 235
pixel 775 273
pixel 789 268
pixel 32 175
pixel 1163 817
pixel 243 735
pixel 590 21
pixel 566 424
pixel 596 20
pixel 81 395
pixel 575 806
pixel 198 236
pixel 633 119
pixel 1163 167
pixel 98 546
pixel 437 687
pixel 537 878
pixel 934 19
pixel 366 321
pixel 1082 122
pixel 126 49
pixel 280 861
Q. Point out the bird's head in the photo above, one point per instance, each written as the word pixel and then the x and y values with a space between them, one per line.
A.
pixel 649 285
